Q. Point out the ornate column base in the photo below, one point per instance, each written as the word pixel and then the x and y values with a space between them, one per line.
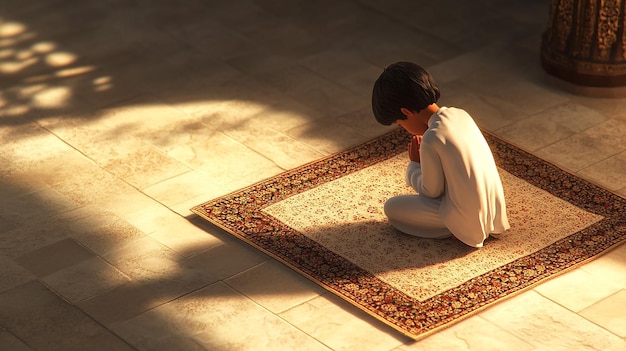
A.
pixel 585 42
pixel 582 72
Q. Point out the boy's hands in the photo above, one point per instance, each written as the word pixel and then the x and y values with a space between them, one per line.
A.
pixel 414 148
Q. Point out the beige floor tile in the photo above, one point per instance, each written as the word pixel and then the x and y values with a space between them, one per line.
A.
pixel 137 116
pixel 610 267
pixel 61 166
pixel 471 334
pixel 184 208
pixel 285 151
pixel 121 303
pixel 228 114
pixel 341 326
pixel 8 341
pixel 25 239
pixel 522 99
pixel 162 269
pixel 587 148
pixel 250 18
pixel 346 68
pixel 228 259
pixel 274 286
pixel 12 275
pixel 126 204
pixel 161 13
pixel 187 141
pixel 610 173
pixel 137 168
pixel 42 96
pixel 550 126
pixel 395 42
pixel 199 83
pixel 364 122
pixel 611 107
pixel 174 231
pixel 52 258
pixel 577 289
pixel 149 218
pixel 15 182
pixel 574 116
pixel 105 234
pixel 486 113
pixel 505 66
pixel 498 84
pixel 465 64
pixel 184 237
pixel 215 318
pixel 113 133
pixel 471 29
pixel 211 152
pixel 84 279
pixel 272 110
pixel 612 133
pixel 35 207
pixel 100 143
pixel 235 99
pixel 44 321
pixel 30 144
pixel 216 40
pixel 166 73
pixel 183 187
pixel 287 39
pixel 119 44
pixel 609 313
pixel 325 96
pixel 6 226
pixel 299 83
pixel 327 136
pixel 101 84
pixel 86 218
pixel 527 134
pixel 90 184
pixel 546 325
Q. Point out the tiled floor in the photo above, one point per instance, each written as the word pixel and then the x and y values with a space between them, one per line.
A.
pixel 117 116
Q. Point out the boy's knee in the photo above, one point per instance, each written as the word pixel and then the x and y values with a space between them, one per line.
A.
pixel 390 206
pixel 397 208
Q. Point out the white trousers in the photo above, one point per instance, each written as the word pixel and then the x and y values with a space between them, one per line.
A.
pixel 416 215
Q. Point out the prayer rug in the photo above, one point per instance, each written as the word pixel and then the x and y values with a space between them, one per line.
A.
pixel 325 220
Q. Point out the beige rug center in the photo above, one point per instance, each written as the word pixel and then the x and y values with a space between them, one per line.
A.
pixel 346 217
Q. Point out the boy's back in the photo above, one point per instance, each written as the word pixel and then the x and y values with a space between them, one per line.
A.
pixel 457 164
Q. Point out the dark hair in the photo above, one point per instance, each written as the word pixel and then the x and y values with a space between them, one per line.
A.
pixel 402 84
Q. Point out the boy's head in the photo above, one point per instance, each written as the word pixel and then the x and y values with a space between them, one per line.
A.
pixel 402 84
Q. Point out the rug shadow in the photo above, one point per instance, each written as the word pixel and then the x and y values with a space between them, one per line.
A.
pixel 378 247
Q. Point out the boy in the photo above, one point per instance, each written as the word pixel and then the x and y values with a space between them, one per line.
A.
pixel 451 166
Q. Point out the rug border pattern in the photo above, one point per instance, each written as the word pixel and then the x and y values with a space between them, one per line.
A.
pixel 239 213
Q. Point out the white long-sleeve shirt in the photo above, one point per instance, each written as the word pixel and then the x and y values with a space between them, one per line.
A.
pixel 457 166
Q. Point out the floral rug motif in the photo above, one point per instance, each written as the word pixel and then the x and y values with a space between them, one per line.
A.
pixel 325 220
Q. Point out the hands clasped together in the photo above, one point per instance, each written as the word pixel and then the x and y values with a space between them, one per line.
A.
pixel 414 148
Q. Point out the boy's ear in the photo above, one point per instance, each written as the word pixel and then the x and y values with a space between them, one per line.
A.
pixel 405 111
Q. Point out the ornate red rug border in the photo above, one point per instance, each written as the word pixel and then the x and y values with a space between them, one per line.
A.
pixel 239 213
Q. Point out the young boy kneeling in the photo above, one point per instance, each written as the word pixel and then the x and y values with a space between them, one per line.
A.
pixel 459 190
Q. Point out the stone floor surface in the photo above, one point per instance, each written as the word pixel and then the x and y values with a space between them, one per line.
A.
pixel 117 116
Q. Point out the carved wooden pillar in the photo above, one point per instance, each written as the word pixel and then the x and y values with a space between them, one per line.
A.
pixel 585 42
